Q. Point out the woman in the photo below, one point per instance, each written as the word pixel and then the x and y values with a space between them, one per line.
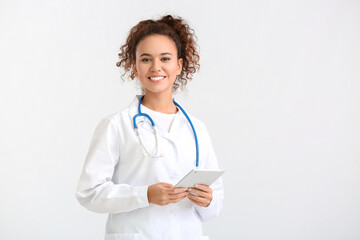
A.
pixel 129 173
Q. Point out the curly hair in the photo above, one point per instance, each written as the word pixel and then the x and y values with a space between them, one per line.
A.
pixel 175 28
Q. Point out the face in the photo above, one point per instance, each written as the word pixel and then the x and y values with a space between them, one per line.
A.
pixel 157 64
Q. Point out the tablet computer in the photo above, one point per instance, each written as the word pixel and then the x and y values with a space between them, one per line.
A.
pixel 199 176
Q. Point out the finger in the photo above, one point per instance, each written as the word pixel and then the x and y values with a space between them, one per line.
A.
pixel 203 187
pixel 176 190
pixel 177 196
pixel 197 198
pixel 200 193
pixel 176 200
pixel 198 201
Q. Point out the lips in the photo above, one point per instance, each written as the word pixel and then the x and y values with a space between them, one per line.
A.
pixel 156 78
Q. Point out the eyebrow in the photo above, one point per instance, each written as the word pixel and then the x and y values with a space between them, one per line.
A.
pixel 147 54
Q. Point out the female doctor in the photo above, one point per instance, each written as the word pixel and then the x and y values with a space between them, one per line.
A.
pixel 131 166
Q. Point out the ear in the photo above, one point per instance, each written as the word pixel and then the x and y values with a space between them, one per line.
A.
pixel 180 64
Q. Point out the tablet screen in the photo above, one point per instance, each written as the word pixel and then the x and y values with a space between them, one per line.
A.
pixel 199 176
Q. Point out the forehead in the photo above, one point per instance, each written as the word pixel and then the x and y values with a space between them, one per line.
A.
pixel 155 45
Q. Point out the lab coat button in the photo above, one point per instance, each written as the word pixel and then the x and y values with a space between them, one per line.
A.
pixel 173 211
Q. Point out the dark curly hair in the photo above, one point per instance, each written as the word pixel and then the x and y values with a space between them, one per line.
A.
pixel 175 28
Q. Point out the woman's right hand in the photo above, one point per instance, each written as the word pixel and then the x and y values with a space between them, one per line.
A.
pixel 164 193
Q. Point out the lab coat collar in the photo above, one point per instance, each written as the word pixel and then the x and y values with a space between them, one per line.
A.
pixel 179 120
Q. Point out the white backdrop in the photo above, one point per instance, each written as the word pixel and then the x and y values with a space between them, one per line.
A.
pixel 279 90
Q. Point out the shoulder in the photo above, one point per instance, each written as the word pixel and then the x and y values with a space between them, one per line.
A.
pixel 116 116
pixel 199 125
pixel 196 121
pixel 116 119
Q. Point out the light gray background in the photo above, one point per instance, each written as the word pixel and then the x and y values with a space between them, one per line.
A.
pixel 279 90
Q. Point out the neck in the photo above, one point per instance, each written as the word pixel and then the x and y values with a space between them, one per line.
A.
pixel 159 102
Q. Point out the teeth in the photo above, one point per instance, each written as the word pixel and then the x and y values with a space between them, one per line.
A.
pixel 156 78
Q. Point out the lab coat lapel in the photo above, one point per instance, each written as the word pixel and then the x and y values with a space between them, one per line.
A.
pixel 177 124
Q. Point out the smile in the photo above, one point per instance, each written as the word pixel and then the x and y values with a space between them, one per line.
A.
pixel 156 78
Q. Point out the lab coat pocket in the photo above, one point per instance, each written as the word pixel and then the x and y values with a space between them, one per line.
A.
pixel 122 236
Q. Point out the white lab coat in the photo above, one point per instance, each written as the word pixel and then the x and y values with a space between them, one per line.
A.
pixel 117 173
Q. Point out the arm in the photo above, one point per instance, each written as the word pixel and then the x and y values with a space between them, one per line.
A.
pixel 96 191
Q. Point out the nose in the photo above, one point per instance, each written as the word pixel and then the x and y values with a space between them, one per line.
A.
pixel 156 66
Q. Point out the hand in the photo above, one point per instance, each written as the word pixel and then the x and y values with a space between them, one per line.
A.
pixel 204 193
pixel 164 193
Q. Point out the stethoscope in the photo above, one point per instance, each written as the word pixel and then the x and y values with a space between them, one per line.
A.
pixel 157 155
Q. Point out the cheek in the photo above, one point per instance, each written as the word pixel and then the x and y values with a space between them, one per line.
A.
pixel 173 69
pixel 141 70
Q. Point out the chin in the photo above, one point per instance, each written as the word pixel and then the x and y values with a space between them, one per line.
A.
pixel 157 90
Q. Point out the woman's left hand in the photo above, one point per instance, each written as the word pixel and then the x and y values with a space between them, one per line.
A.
pixel 204 193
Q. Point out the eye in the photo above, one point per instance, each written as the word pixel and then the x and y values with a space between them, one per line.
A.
pixel 165 59
pixel 145 60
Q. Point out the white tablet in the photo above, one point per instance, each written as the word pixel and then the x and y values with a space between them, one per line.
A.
pixel 199 176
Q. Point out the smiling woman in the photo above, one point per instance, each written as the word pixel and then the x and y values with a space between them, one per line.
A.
pixel 134 161
pixel 175 29
pixel 157 64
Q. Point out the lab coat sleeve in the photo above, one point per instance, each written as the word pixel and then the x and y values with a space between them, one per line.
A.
pixel 96 191
pixel 209 161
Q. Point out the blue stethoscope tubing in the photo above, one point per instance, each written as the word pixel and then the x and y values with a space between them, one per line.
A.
pixel 153 124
